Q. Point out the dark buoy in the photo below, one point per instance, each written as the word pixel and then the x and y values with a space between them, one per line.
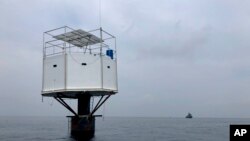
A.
pixel 75 66
pixel 82 127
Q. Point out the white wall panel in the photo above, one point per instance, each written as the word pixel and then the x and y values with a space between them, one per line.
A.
pixel 81 76
pixel 109 73
pixel 83 73
pixel 54 73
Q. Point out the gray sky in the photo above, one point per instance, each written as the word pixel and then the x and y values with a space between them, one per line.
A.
pixel 174 56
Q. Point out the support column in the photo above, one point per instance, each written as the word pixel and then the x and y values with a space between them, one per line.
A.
pixel 84 104
pixel 83 126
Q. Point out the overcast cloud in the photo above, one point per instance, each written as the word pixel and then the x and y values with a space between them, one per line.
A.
pixel 174 56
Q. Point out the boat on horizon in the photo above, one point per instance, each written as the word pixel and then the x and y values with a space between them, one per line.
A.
pixel 189 115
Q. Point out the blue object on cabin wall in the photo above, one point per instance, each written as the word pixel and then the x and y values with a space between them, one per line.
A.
pixel 110 53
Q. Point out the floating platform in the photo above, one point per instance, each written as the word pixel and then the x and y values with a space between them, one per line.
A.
pixel 76 93
pixel 79 64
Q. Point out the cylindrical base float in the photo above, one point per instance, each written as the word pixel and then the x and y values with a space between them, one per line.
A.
pixel 82 127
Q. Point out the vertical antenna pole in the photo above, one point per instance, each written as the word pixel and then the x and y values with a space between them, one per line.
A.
pixel 44 55
pixel 116 65
pixel 65 61
pixel 44 45
pixel 115 50
pixel 101 56
pixel 101 40
pixel 100 13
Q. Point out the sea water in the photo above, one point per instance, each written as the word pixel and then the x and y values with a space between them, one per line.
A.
pixel 120 129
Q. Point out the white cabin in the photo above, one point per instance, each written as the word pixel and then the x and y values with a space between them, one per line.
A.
pixel 78 61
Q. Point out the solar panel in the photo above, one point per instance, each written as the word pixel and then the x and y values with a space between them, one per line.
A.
pixel 79 38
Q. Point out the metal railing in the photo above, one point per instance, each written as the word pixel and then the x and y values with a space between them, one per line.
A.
pixel 53 46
